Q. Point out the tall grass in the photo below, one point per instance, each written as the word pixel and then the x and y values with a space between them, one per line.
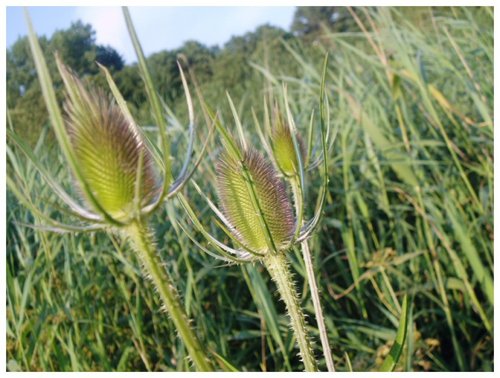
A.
pixel 409 211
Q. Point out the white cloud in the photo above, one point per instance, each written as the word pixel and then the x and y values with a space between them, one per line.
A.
pixel 160 28
pixel 110 28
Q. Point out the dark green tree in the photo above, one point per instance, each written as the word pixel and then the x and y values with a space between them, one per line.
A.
pixel 77 47
pixel 130 84
pixel 20 70
pixel 308 21
pixel 200 59
pixel 109 57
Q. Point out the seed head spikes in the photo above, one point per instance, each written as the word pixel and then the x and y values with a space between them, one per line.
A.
pixel 111 160
pixel 255 210
pixel 110 151
pixel 239 209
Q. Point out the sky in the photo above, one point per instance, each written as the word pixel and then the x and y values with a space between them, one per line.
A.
pixel 158 28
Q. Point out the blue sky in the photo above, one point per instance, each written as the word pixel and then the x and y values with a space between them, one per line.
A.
pixel 158 28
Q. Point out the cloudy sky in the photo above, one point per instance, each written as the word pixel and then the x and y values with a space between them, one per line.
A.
pixel 158 28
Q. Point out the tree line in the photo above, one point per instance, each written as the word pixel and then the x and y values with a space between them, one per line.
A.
pixel 217 69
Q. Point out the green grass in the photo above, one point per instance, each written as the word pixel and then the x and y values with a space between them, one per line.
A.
pixel 409 211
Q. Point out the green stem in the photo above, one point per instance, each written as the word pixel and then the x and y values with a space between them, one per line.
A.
pixel 278 269
pixel 311 279
pixel 317 307
pixel 144 245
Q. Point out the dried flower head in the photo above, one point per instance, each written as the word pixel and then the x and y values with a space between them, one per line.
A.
pixel 108 149
pixel 239 208
pixel 283 148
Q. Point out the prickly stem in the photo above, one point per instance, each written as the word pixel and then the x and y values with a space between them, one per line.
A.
pixel 142 241
pixel 280 273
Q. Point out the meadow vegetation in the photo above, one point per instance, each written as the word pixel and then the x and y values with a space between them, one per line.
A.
pixel 408 212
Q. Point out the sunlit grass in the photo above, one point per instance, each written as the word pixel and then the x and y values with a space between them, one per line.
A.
pixel 409 211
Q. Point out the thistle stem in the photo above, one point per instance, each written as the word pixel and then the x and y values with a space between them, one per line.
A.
pixel 281 275
pixel 144 245
pixel 311 279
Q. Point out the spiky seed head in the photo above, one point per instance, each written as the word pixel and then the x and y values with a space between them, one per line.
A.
pixel 283 149
pixel 108 149
pixel 237 206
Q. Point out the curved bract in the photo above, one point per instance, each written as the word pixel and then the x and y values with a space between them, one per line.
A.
pixel 111 152
pixel 239 208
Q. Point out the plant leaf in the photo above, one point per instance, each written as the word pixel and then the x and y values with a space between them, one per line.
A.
pixel 392 358
pixel 155 102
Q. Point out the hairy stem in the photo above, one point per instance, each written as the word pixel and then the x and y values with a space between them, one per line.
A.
pixel 278 269
pixel 311 279
pixel 144 245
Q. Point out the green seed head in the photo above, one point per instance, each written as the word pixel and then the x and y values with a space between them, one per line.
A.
pixel 108 149
pixel 237 205
pixel 283 149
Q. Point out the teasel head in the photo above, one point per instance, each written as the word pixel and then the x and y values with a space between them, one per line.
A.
pixel 255 202
pixel 255 211
pixel 112 166
pixel 119 175
pixel 116 166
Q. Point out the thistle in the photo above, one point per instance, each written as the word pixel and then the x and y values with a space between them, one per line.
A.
pixel 239 209
pixel 110 151
pixel 260 215
pixel 257 215
pixel 113 169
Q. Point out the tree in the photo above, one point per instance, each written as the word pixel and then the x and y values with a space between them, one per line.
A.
pixel 165 75
pixel 109 57
pixel 307 21
pixel 77 47
pixel 21 72
pixel 199 57
pixel 131 86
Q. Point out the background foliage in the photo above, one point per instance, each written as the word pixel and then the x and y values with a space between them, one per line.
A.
pixel 410 207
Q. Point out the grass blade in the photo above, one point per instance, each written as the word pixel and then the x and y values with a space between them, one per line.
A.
pixel 392 358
